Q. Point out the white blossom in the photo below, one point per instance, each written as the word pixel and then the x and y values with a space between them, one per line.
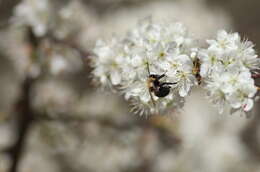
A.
pixel 226 71
pixel 107 64
pixel 166 49
pixel 163 48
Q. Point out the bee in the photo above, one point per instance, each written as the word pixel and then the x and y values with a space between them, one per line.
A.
pixel 196 70
pixel 160 89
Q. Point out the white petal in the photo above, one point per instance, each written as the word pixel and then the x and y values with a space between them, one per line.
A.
pixel 115 77
pixel 204 70
pixel 248 105
pixel 184 89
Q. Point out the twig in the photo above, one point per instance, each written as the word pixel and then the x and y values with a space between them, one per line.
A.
pixel 256 75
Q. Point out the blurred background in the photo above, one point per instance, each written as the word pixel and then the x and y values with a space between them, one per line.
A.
pixel 53 118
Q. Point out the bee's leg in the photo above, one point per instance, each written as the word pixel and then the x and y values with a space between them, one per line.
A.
pixel 161 76
pixel 151 89
pixel 168 83
pixel 153 102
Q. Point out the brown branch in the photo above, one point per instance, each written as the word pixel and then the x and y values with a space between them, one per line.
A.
pixel 256 75
pixel 24 120
pixel 24 116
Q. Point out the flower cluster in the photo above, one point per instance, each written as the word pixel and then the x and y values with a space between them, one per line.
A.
pixel 226 67
pixel 148 49
pixel 166 48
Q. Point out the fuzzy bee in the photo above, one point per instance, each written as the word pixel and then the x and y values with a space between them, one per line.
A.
pixel 160 89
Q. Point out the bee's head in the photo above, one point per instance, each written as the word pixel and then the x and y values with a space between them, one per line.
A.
pixel 155 77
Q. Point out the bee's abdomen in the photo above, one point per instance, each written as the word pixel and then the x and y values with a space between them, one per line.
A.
pixel 162 91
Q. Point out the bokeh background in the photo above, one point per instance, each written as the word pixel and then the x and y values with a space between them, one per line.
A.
pixel 53 118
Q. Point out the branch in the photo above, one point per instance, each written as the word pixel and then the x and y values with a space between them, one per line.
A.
pixel 24 111
pixel 256 75
pixel 24 120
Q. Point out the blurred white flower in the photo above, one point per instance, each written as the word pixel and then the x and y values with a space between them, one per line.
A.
pixel 60 60
pixel 34 13
pixel 53 97
pixel 72 19
pixel 58 64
